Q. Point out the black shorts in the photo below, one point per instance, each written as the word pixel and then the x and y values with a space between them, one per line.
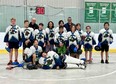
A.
pixel 79 47
pixel 27 46
pixel 104 47
pixel 14 45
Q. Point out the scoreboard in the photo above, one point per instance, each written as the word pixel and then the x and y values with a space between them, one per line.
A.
pixel 40 10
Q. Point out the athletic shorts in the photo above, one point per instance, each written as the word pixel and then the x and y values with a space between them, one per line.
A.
pixel 14 45
pixel 29 59
pixel 79 47
pixel 104 47
pixel 87 49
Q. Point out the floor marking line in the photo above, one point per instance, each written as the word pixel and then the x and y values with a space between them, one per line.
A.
pixel 92 77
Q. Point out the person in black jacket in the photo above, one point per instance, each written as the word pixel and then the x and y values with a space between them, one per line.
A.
pixel 33 24
pixel 68 24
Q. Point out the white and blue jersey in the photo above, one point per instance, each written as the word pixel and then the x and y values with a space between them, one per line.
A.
pixel 60 38
pixel 40 35
pixel 73 38
pixel 73 41
pixel 50 34
pixel 13 34
pixel 51 61
pixel 57 30
pixel 33 50
pixel 80 33
pixel 89 40
pixel 105 36
pixel 27 33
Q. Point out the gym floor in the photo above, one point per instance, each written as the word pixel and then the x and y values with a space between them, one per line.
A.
pixel 95 73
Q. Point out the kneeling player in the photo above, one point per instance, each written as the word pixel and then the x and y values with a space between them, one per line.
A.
pixel 51 60
pixel 33 53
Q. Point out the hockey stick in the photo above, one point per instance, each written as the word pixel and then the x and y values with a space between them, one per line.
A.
pixel 10 67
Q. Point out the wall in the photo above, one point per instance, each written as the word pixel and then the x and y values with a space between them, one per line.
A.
pixel 55 11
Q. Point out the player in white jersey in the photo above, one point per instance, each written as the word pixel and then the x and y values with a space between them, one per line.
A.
pixel 80 31
pixel 60 41
pixel 105 38
pixel 51 60
pixel 60 23
pixel 12 39
pixel 33 53
pixel 89 41
pixel 40 35
pixel 50 34
pixel 27 36
pixel 73 41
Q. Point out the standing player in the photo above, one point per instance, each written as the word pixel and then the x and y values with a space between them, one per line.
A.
pixel 73 41
pixel 27 36
pixel 89 41
pixel 60 23
pixel 60 41
pixel 105 38
pixel 12 38
pixel 50 34
pixel 80 31
pixel 40 35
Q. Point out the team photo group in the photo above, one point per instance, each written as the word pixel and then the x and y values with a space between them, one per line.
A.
pixel 55 47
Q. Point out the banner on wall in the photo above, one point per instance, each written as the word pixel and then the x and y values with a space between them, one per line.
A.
pixel 91 12
pixel 100 12
pixel 113 12
pixel 104 12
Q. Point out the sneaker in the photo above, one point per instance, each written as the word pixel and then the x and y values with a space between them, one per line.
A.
pixel 65 66
pixel 102 61
pixel 9 63
pixel 82 66
pixel 15 62
pixel 106 62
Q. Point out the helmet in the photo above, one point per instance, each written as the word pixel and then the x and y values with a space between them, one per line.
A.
pixel 79 51
pixel 97 48
pixel 31 66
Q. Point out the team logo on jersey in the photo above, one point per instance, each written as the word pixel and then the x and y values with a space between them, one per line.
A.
pixel 51 34
pixel 106 34
pixel 61 39
pixel 13 30
pixel 40 36
pixel 27 32
pixel 88 38
pixel 72 38
pixel 49 61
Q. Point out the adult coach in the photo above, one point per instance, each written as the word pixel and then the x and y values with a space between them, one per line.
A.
pixel 68 24
pixel 33 24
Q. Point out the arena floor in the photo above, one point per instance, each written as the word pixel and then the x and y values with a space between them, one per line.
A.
pixel 95 73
